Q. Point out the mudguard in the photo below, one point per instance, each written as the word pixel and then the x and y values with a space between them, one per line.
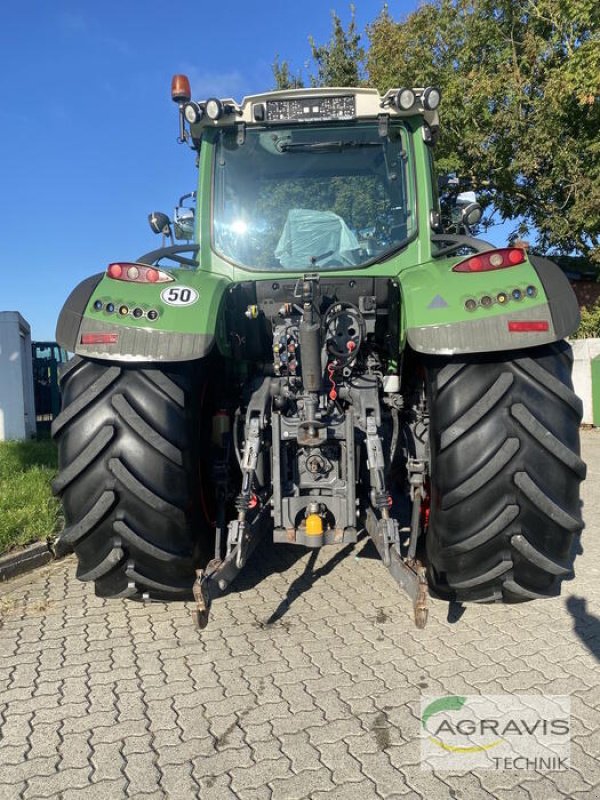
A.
pixel 449 313
pixel 179 332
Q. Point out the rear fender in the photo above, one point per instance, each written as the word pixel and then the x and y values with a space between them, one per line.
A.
pixel 183 329
pixel 438 319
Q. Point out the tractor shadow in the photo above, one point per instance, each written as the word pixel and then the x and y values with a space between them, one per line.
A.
pixel 306 581
pixel 585 625
pixel 269 559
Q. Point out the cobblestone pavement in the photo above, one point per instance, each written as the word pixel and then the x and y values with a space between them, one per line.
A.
pixel 306 684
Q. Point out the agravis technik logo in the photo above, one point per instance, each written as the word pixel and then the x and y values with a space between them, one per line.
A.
pixel 526 732
pixel 445 730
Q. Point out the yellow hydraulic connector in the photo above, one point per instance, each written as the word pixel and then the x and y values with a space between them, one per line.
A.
pixel 314 525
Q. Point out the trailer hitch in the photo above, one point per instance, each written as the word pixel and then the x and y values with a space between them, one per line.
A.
pixel 409 573
pixel 213 581
pixel 384 530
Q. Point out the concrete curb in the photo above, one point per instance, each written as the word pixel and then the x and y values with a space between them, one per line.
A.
pixel 25 560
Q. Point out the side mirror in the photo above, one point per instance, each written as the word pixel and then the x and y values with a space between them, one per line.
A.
pixel 463 199
pixel 471 215
pixel 460 209
pixel 183 223
pixel 468 212
pixel 159 223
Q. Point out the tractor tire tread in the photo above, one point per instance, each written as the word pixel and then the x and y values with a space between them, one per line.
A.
pixel 81 462
pixel 127 466
pixel 477 411
pixel 73 534
pixel 505 474
pixel 85 399
pixel 546 438
pixel 495 464
pixel 145 431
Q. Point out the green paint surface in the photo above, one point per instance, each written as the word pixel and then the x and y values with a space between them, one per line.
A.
pixel 431 293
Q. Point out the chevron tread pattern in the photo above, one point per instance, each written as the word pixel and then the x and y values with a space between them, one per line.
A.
pixel 505 475
pixel 124 438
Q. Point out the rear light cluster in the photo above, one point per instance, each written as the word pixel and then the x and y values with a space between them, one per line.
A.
pixel 124 310
pixel 502 298
pixel 492 259
pixel 137 273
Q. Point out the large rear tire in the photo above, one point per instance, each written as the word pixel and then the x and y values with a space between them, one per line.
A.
pixel 505 474
pixel 126 478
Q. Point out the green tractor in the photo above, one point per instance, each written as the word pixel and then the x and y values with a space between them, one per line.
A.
pixel 328 351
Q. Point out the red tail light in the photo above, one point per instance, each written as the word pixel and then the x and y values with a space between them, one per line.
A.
pixel 99 338
pixel 532 326
pixel 137 273
pixel 491 259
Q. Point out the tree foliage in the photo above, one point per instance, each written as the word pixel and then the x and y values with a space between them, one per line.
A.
pixel 283 76
pixel 589 327
pixel 520 113
pixel 340 61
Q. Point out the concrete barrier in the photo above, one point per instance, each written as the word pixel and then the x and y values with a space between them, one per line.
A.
pixel 17 408
pixel 584 350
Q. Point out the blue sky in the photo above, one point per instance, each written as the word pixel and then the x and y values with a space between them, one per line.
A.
pixel 88 130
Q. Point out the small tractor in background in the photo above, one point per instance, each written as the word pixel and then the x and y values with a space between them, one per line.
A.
pixel 324 354
pixel 47 358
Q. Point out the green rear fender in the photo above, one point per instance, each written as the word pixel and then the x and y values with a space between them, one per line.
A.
pixel 126 321
pixel 448 312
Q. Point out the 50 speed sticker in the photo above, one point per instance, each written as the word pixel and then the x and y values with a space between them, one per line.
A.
pixel 179 296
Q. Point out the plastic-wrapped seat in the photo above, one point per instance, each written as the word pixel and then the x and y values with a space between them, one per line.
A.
pixel 320 238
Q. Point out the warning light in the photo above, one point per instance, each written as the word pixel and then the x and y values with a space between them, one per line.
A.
pixel 180 89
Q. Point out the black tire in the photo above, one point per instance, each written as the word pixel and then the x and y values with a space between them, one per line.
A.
pixel 505 474
pixel 126 475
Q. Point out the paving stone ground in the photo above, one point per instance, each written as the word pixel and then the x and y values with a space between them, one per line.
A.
pixel 306 684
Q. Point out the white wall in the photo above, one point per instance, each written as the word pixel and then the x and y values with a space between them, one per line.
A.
pixel 17 410
pixel 584 350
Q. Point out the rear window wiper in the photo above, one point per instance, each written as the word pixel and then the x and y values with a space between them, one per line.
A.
pixel 322 147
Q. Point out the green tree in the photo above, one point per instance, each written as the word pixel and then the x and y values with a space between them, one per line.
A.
pixel 283 76
pixel 520 113
pixel 339 62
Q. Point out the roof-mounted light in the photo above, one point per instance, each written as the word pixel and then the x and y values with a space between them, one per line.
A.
pixel 180 89
pixel 404 99
pixel 431 98
pixel 193 112
pixel 214 108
